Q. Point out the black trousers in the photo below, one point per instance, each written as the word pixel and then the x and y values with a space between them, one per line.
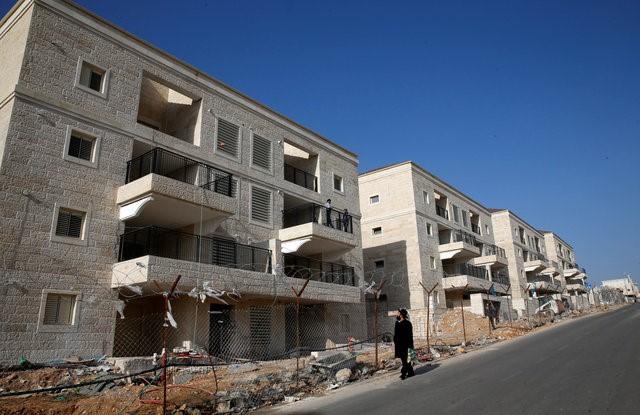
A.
pixel 407 369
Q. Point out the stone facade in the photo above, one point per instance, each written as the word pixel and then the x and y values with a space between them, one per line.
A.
pixel 43 45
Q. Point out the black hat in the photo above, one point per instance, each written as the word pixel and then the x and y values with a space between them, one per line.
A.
pixel 403 313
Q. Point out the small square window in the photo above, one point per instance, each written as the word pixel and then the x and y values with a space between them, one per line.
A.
pixel 432 262
pixel 429 229
pixel 374 199
pixel 70 223
pixel 338 183
pixel 92 78
pixel 81 146
pixel 376 231
pixel 379 264
pixel 59 309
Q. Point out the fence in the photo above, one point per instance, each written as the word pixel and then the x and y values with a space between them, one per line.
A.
pixel 300 177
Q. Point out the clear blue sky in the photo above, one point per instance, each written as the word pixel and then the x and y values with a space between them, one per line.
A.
pixel 527 105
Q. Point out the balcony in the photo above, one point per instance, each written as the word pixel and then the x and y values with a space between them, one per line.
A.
pixel 310 229
pixel 300 177
pixel 571 271
pixel 491 255
pixel 307 268
pixel 577 287
pixel 500 278
pixel 544 285
pixel 442 212
pixel 475 229
pixel 535 263
pixel 471 278
pixel 459 244
pixel 161 182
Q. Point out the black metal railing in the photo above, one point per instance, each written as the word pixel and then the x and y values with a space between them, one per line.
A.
pixel 500 278
pixel 168 243
pixel 301 267
pixel 461 236
pixel 470 270
pixel 490 249
pixel 475 228
pixel 532 256
pixel 311 212
pixel 442 212
pixel 169 164
pixel 300 177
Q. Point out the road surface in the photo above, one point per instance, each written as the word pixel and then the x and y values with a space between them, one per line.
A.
pixel 589 365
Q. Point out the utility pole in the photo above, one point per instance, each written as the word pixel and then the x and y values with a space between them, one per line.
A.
pixel 429 291
pixel 298 294
pixel 376 294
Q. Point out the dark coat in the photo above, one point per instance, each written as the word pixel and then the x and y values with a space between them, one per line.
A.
pixel 403 338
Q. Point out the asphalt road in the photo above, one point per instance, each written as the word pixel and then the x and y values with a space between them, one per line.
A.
pixel 589 365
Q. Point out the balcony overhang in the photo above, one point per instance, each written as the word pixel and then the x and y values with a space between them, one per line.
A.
pixel 570 272
pixel 535 266
pixel 313 238
pixel 473 284
pixel 545 287
pixel 158 200
pixel 458 250
pixel 576 287
pixel 147 272
pixel 491 260
pixel 550 271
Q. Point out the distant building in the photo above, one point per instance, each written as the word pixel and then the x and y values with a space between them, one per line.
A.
pixel 626 285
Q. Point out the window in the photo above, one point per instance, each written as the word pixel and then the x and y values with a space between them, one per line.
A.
pixel 426 197
pixel 378 264
pixel 260 205
pixel 261 152
pixel 338 184
pixel 486 230
pixel 429 229
pixel 69 223
pixel 520 252
pixel 227 137
pixel 456 214
pixel 432 262
pixel 80 146
pixel 92 77
pixel 464 218
pixel 345 325
pixel 374 199
pixel 59 309
pixel 376 231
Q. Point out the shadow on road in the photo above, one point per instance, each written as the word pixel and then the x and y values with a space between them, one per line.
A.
pixel 426 368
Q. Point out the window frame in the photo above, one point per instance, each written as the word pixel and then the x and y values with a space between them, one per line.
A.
pixel 59 328
pixel 216 150
pixel 371 197
pixel 104 90
pixel 271 215
pixel 95 150
pixel 426 198
pixel 429 229
pixel 333 183
pixel 376 234
pixel 432 263
pixel 83 239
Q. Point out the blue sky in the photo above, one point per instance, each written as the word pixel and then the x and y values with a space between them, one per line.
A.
pixel 527 105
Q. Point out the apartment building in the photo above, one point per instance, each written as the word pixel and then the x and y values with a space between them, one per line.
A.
pixel 626 286
pixel 420 234
pixel 574 277
pixel 534 278
pixel 122 167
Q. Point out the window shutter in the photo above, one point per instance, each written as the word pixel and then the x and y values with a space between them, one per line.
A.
pixel 80 147
pixel 261 156
pixel 260 205
pixel 59 309
pixel 69 223
pixel 228 136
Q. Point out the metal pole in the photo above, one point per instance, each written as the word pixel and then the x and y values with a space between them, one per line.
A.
pixel 464 329
pixel 428 311
pixel 376 293
pixel 298 294
pixel 165 327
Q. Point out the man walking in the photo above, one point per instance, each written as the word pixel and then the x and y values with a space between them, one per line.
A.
pixel 403 340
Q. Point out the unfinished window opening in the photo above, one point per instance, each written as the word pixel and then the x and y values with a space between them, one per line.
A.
pixel 59 309
pixel 69 223
pixel 169 111
pixel 92 78
pixel 300 166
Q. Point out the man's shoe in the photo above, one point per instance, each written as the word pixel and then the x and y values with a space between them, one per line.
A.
pixel 403 376
pixel 410 375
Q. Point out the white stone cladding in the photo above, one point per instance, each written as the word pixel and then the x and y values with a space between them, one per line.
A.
pixel 41 43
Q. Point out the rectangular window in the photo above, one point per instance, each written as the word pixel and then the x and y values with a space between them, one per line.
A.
pixel 379 264
pixel 432 262
pixel 260 205
pixel 228 137
pixel 81 146
pixel 376 231
pixel 92 77
pixel 374 199
pixel 456 214
pixel 261 156
pixel 426 197
pixel 429 229
pixel 59 309
pixel 338 183
pixel 70 223
pixel 464 218
pixel 345 325
pixel 486 230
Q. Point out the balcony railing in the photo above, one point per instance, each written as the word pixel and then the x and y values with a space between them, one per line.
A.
pixel 500 278
pixel 442 212
pixel 470 270
pixel 532 256
pixel 300 177
pixel 167 243
pixel 301 267
pixel 489 249
pixel 461 236
pixel 475 228
pixel 314 213
pixel 169 164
